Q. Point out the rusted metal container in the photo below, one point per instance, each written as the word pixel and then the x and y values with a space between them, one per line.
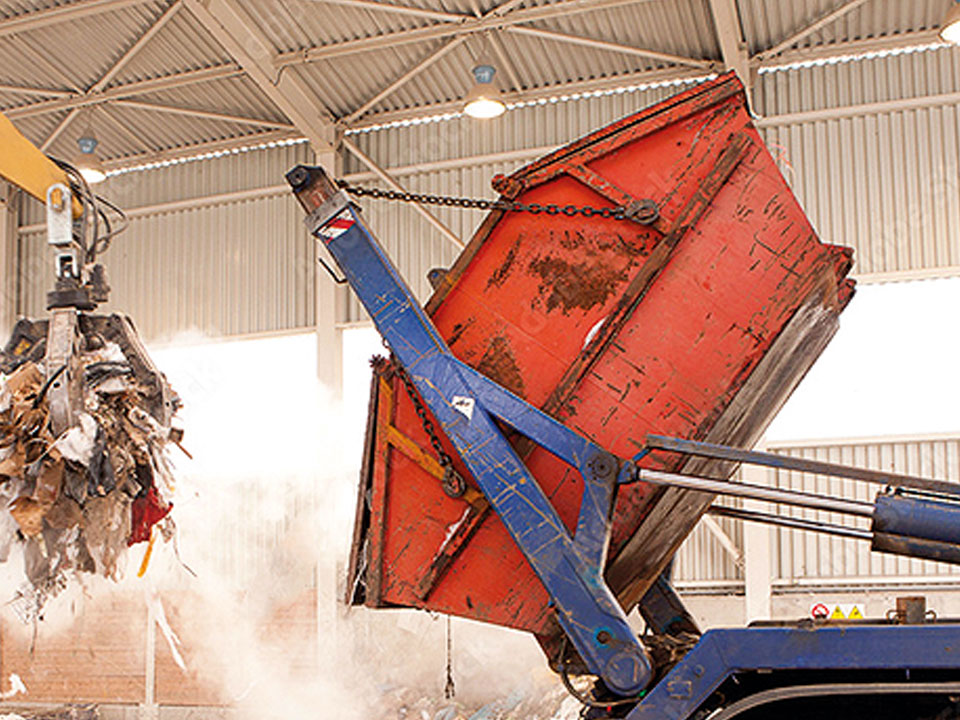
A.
pixel 695 319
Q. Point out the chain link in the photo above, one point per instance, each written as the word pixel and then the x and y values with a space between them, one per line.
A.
pixel 453 483
pixel 616 213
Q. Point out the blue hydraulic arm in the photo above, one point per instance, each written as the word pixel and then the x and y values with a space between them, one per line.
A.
pixel 468 406
pixel 465 403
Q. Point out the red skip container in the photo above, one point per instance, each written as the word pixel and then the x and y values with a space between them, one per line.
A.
pixel 698 325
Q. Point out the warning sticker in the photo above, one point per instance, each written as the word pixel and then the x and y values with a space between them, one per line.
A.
pixel 337 227
pixel 464 406
pixel 837 611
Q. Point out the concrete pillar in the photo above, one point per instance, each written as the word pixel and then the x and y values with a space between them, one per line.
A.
pixel 758 567
pixel 331 301
pixel 9 222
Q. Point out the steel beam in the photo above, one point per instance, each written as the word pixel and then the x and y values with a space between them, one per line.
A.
pixel 168 82
pixel 726 20
pixel 62 13
pixel 611 46
pixel 848 49
pixel 407 10
pixel 205 114
pixel 411 73
pixel 810 28
pixel 330 302
pixel 156 27
pixel 9 217
pixel 506 62
pixel 200 149
pixel 43 92
pixel 758 569
pixel 249 46
pixel 58 130
pixel 645 77
pixel 725 540
pixel 132 136
pixel 393 184
pixel 490 21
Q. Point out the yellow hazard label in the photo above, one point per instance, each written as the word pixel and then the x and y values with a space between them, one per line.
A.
pixel 837 614
pixel 855 613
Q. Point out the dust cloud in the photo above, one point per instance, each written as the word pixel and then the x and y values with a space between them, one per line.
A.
pixel 245 609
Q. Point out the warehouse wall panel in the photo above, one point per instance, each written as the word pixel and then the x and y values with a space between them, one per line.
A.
pixel 227 269
pixel 806 558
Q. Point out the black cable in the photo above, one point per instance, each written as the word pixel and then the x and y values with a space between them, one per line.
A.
pixel 46 386
pixel 91 203
pixel 589 702
pixel 104 241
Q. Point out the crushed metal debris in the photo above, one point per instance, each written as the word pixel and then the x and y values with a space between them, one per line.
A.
pixel 76 499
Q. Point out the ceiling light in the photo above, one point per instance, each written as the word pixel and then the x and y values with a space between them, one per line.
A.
pixel 950 27
pixel 483 100
pixel 88 162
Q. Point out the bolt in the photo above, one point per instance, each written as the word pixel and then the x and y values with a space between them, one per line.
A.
pixel 298 176
pixel 602 465
pixel 603 637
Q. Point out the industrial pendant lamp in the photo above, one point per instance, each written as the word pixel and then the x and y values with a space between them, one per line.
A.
pixel 483 100
pixel 88 162
pixel 950 27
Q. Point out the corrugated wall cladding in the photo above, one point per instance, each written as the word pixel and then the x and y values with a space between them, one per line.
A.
pixel 703 560
pixel 885 184
pixel 811 558
pixel 233 172
pixel 230 269
pixel 803 555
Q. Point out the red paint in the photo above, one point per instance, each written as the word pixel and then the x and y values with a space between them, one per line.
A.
pixel 146 511
pixel 523 299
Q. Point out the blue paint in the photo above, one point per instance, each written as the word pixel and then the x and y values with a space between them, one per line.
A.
pixel 722 653
pixel 570 567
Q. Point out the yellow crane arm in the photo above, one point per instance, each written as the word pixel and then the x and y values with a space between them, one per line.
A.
pixel 23 164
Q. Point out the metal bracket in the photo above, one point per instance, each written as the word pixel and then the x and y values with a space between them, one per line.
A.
pixel 322 215
pixel 59 215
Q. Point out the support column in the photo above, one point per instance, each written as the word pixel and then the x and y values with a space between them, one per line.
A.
pixel 758 568
pixel 9 222
pixel 330 303
pixel 149 710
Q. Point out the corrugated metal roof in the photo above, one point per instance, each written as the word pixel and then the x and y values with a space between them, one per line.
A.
pixel 102 39
pixel 767 22
pixel 74 55
pixel 181 45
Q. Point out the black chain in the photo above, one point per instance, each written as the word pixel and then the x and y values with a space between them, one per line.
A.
pixel 453 483
pixel 617 213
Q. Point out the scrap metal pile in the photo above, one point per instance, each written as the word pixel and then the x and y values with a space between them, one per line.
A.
pixel 78 488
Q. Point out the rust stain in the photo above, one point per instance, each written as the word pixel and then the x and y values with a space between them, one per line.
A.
pixel 580 285
pixel 499 364
pixel 458 331
pixel 499 276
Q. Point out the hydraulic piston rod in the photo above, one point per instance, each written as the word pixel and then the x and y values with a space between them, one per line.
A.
pixel 758 492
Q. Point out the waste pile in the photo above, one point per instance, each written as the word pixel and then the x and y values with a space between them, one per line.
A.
pixel 71 711
pixel 75 500
pixel 410 704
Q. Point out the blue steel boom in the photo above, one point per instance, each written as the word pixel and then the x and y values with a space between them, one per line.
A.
pixel 919 518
